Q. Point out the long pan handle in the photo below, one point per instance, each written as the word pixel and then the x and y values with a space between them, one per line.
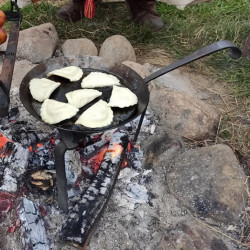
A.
pixel 234 52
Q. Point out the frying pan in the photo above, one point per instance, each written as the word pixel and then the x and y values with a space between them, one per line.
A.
pixel 127 76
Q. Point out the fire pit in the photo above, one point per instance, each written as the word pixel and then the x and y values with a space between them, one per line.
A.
pixel 85 208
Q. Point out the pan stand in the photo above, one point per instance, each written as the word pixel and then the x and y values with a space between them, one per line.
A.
pixel 138 129
pixel 69 140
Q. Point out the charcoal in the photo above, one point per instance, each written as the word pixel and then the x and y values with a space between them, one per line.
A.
pixel 83 216
pixel 32 226
pixel 17 160
pixel 92 149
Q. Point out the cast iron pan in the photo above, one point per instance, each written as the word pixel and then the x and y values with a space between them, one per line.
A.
pixel 127 76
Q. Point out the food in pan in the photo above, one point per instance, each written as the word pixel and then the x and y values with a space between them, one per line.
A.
pixel 122 97
pixel 81 97
pixel 42 88
pixel 73 73
pixel 98 80
pixel 53 112
pixel 97 116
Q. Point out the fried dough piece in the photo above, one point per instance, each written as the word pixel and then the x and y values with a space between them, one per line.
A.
pixel 81 97
pixel 73 73
pixel 122 97
pixel 97 116
pixel 42 88
pixel 99 80
pixel 53 111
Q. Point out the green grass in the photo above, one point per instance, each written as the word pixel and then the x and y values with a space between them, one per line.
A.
pixel 184 32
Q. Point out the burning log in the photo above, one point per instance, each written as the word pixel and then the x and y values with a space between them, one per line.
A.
pixel 84 215
pixel 32 226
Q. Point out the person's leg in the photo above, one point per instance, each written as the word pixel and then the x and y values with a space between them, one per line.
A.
pixel 73 11
pixel 144 13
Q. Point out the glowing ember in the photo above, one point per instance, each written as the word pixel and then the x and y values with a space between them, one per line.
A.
pixel 5 146
pixel 3 141
pixel 95 161
pixel 35 148
pixel 116 151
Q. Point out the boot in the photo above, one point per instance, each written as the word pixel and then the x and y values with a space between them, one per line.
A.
pixel 144 13
pixel 73 11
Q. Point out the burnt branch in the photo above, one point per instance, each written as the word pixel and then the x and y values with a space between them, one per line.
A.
pixel 84 215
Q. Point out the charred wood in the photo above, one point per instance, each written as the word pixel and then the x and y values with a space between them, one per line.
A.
pixel 83 217
pixel 92 149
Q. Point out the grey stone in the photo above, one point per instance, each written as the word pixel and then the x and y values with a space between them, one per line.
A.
pixel 118 49
pixel 38 43
pixel 188 116
pixel 209 182
pixel 78 47
pixel 160 146
pixel 22 67
pixel 176 80
pixel 138 68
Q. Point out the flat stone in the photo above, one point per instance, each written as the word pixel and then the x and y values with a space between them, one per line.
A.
pixel 210 182
pixel 118 49
pixel 78 47
pixel 191 234
pixel 176 80
pixel 182 112
pixel 38 43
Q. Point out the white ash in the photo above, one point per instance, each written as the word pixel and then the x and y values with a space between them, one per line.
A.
pixel 72 166
pixel 9 182
pixel 17 160
pixel 137 192
pixel 127 174
pixel 32 226
pixel 131 191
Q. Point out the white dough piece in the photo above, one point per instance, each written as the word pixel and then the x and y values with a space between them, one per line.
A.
pixel 81 97
pixel 73 73
pixel 98 80
pixel 122 97
pixel 42 88
pixel 53 111
pixel 97 116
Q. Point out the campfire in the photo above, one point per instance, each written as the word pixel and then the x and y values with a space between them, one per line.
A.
pixel 68 172
pixel 29 180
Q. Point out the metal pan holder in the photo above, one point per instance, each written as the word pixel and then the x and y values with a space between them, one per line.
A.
pixel 234 52
pixel 13 15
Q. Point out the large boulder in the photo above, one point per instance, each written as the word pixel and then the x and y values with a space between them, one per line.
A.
pixel 182 112
pixel 210 182
pixel 118 49
pixel 38 43
pixel 22 67
pixel 79 47
pixel 190 234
